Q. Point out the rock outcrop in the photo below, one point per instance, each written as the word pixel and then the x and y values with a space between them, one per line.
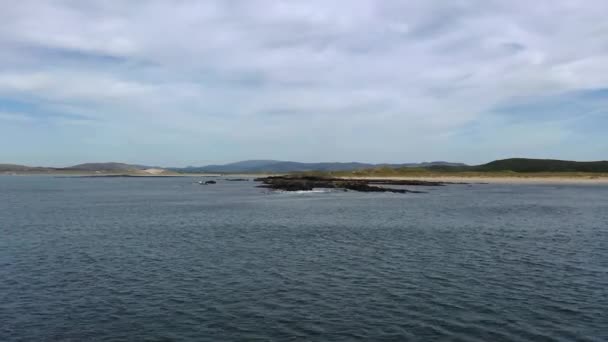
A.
pixel 307 183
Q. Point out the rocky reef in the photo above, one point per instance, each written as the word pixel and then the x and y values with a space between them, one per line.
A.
pixel 307 183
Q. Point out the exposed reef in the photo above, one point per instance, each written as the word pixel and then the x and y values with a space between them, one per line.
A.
pixel 307 183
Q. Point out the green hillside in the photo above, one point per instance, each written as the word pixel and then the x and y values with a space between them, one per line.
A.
pixel 542 165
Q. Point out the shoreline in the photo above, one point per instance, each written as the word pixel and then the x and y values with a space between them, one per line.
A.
pixel 490 179
pixel 136 175
pixel 499 179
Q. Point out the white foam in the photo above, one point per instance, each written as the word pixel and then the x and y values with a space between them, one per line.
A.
pixel 313 191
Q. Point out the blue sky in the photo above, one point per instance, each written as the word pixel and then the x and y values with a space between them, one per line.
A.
pixel 200 82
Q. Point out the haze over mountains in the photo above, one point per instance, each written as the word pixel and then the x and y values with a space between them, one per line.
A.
pixel 289 166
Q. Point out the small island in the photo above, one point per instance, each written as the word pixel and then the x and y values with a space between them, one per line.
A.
pixel 307 183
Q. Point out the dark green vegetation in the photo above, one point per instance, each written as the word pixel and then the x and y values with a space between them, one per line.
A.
pixel 542 165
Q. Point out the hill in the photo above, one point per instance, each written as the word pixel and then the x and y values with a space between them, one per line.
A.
pixel 542 165
pixel 22 168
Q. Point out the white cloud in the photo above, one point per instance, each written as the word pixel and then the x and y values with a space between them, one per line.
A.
pixel 70 86
pixel 256 77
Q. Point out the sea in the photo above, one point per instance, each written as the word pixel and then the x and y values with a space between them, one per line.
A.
pixel 167 259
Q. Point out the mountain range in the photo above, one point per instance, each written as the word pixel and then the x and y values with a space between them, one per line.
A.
pixel 277 166
pixel 256 166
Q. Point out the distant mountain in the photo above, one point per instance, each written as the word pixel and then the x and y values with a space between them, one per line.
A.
pixel 241 166
pixel 257 166
pixel 106 167
pixel 17 168
pixel 543 165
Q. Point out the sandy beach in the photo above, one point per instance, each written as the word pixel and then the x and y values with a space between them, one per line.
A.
pixel 502 180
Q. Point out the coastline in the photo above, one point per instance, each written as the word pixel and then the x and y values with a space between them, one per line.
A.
pixel 93 174
pixel 462 178
pixel 591 180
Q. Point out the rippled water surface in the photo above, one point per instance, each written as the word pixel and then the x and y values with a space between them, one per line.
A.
pixel 154 259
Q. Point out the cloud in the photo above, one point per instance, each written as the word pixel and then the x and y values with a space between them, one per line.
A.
pixel 366 80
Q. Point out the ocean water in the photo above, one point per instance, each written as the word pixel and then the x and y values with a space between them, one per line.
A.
pixel 164 259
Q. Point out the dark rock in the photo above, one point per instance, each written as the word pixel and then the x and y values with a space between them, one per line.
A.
pixel 307 183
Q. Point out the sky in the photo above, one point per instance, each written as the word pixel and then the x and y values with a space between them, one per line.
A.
pixel 178 83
